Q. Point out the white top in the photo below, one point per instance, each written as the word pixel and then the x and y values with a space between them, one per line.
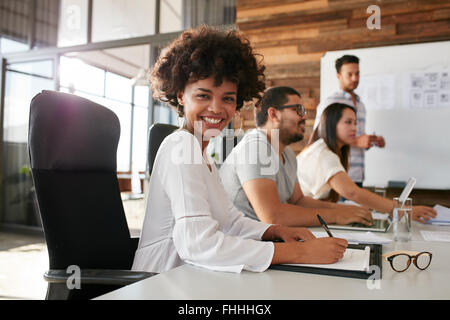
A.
pixel 356 163
pixel 315 166
pixel 189 218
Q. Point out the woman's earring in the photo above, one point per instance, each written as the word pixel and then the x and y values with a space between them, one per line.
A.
pixel 238 119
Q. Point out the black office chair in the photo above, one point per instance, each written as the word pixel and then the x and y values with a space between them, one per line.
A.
pixel 72 145
pixel 156 134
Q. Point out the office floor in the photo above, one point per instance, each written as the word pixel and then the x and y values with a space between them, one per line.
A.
pixel 24 258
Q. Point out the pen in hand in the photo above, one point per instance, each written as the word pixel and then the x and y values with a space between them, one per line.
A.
pixel 324 225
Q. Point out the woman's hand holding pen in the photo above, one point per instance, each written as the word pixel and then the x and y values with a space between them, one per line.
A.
pixel 310 250
pixel 321 250
pixel 315 250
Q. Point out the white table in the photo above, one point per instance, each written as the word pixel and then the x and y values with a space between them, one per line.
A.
pixel 189 282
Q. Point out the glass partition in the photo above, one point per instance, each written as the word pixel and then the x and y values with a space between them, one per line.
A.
pixel 43 69
pixel 11 46
pixel 22 82
pixel 106 77
pixel 140 128
pixel 119 19
pixel 80 76
pixel 171 16
pixel 163 113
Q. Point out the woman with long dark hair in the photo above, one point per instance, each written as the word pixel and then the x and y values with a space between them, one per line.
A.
pixel 323 164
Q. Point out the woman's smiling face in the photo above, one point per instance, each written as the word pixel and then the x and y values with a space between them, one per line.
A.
pixel 207 108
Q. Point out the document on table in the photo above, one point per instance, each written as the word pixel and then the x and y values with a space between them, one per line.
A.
pixel 356 237
pixel 439 236
pixel 443 216
pixel 354 259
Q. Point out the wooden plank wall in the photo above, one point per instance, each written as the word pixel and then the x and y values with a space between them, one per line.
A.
pixel 293 36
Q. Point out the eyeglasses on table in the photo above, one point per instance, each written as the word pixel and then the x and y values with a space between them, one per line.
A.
pixel 401 260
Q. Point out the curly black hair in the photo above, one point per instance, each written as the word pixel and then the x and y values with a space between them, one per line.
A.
pixel 204 52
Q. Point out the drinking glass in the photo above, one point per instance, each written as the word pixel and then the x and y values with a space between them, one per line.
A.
pixel 402 216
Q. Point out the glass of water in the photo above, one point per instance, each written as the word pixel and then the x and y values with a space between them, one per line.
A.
pixel 402 216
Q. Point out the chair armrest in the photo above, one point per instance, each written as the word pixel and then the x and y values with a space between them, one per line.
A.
pixel 99 276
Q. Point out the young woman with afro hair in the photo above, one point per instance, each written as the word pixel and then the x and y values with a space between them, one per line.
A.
pixel 206 75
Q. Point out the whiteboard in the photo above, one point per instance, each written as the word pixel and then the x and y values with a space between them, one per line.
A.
pixel 406 90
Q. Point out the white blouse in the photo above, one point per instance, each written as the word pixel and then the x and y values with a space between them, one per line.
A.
pixel 189 218
pixel 315 166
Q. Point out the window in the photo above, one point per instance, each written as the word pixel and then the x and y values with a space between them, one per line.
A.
pixel 123 112
pixel 23 82
pixel 77 75
pixel 140 132
pixel 108 89
pixel 119 19
pixel 10 46
pixel 165 114
pixel 117 87
pixel 74 19
pixel 42 68
pixel 171 16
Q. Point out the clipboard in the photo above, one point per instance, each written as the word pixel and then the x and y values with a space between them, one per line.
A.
pixel 375 259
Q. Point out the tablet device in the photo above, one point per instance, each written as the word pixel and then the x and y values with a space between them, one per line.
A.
pixel 379 225
pixel 407 190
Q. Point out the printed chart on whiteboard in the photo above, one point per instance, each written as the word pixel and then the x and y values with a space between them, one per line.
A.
pixel 428 90
pixel 420 90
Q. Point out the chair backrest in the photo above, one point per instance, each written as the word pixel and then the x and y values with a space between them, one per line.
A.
pixel 156 134
pixel 72 145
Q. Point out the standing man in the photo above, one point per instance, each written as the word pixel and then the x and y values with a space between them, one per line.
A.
pixel 347 68
pixel 260 173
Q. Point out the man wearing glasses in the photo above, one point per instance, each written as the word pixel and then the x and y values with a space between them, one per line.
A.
pixel 260 173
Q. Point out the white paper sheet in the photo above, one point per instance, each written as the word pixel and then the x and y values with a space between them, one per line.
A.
pixel 439 236
pixel 354 259
pixel 443 216
pixel 356 237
